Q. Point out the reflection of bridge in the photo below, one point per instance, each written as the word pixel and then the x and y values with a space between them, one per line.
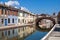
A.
pixel 53 34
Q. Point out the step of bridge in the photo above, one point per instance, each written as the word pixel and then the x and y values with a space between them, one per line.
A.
pixel 54 38
pixel 55 34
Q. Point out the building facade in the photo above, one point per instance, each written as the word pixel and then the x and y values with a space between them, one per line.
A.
pixel 25 17
pixel 8 15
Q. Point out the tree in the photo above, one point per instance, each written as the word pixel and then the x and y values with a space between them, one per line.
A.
pixel 53 13
pixel 58 14
pixel 58 17
pixel 43 14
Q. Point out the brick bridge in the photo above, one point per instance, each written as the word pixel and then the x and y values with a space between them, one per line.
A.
pixel 38 19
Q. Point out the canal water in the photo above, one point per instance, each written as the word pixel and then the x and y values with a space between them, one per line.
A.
pixel 28 33
pixel 37 35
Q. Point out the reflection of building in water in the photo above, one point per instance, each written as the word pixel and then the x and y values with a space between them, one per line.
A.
pixel 49 23
pixel 45 23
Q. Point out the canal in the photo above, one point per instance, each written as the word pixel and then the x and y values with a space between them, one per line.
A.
pixel 37 35
pixel 26 33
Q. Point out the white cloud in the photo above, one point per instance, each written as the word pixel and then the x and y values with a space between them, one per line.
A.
pixel 16 7
pixel 25 9
pixel 12 3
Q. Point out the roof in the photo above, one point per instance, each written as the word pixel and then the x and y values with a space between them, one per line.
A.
pixel 9 7
pixel 12 8
pixel 27 12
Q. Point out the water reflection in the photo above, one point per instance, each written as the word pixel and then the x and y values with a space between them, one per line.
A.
pixel 23 33
pixel 37 35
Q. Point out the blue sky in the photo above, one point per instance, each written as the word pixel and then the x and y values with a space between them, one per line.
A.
pixel 39 6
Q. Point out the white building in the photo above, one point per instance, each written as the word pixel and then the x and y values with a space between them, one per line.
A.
pixel 25 17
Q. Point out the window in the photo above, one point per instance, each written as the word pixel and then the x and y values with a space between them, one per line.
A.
pixel 2 34
pixel 23 20
pixel 5 33
pixel 13 31
pixel 0 10
pixel 8 20
pixel 2 21
pixel 3 11
pixel 21 29
pixel 8 32
pixel 18 30
pixel 13 20
pixel 12 12
pixel 18 20
pixel 8 12
pixel 23 14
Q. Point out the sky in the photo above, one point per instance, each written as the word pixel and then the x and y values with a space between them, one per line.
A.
pixel 36 6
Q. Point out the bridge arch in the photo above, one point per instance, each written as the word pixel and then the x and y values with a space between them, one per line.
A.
pixel 39 20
